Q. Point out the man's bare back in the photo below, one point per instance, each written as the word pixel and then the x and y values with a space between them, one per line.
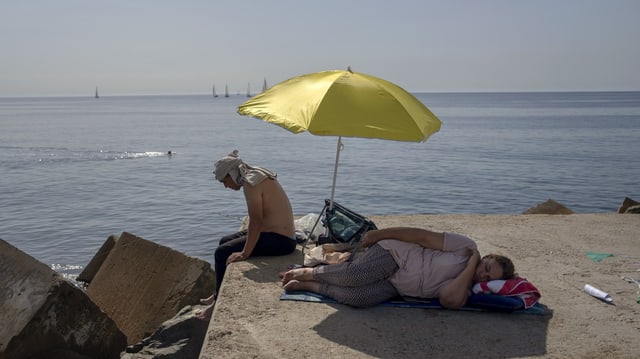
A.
pixel 268 203
pixel 271 231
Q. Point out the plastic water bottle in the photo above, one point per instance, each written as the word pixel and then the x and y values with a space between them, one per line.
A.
pixel 598 293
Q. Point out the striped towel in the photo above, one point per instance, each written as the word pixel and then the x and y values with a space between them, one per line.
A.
pixel 516 287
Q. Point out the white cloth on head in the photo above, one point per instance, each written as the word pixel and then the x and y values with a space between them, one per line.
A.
pixel 228 165
pixel 239 171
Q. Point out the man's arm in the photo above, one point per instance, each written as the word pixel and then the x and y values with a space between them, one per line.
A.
pixel 423 237
pixel 253 197
pixel 454 295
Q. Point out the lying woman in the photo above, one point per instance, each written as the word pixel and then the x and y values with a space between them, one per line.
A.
pixel 404 261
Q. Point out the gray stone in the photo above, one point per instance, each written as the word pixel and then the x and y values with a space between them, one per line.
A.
pixel 42 314
pixel 626 204
pixel 633 209
pixel 180 337
pixel 548 207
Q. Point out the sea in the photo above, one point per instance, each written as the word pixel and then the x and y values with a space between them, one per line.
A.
pixel 74 170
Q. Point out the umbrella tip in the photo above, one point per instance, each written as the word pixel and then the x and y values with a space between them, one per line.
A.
pixel 349 69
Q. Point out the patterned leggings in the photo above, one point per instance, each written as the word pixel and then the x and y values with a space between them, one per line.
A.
pixel 361 282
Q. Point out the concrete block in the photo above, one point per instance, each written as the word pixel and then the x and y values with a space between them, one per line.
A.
pixel 92 268
pixel 41 313
pixel 141 284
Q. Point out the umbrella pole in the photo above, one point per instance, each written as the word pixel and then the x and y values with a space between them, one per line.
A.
pixel 339 148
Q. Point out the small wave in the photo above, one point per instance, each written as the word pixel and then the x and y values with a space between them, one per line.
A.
pixel 134 155
pixel 66 267
pixel 15 156
pixel 69 272
pixel 156 154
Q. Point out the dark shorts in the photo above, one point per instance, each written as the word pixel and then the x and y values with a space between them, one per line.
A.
pixel 269 244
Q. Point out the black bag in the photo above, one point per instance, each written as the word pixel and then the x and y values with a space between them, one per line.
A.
pixel 343 224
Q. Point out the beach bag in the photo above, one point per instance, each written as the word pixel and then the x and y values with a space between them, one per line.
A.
pixel 344 225
pixel 328 253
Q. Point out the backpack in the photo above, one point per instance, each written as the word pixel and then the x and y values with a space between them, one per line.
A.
pixel 343 225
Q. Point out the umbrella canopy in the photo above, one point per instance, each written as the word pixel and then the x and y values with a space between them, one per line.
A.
pixel 344 103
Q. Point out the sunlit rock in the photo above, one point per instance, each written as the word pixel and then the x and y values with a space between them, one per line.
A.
pixel 141 284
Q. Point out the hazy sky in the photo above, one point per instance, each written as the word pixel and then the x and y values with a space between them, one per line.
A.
pixel 68 47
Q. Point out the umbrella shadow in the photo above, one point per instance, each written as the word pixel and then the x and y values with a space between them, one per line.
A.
pixel 418 333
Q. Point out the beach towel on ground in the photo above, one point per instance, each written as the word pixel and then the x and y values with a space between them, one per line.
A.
pixel 476 302
pixel 516 287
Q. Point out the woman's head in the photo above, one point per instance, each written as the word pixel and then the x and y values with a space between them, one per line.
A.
pixel 492 267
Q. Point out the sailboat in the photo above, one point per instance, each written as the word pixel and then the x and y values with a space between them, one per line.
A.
pixel 264 85
pixel 248 89
pixel 226 90
pixel 97 92
pixel 214 91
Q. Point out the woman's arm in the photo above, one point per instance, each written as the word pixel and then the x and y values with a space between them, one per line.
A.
pixel 423 237
pixel 454 295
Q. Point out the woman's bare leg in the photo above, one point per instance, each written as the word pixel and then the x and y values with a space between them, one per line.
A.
pixel 296 285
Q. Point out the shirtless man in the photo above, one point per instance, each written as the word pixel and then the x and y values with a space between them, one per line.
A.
pixel 271 229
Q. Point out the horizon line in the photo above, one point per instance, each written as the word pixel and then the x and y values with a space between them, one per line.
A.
pixel 244 95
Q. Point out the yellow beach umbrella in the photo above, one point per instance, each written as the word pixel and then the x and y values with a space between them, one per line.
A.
pixel 344 103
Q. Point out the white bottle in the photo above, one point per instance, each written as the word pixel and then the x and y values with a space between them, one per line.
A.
pixel 598 293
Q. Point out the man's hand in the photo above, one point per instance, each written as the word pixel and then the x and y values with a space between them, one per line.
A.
pixel 236 257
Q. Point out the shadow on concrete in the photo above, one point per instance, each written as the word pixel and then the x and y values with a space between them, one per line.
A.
pixel 385 332
pixel 418 333
pixel 267 268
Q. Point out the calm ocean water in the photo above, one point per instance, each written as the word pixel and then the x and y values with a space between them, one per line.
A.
pixel 75 170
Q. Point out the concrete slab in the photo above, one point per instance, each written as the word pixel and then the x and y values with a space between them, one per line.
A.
pixel 94 265
pixel 42 313
pixel 249 320
pixel 141 284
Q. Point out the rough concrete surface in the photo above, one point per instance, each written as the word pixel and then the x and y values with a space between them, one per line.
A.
pixel 141 284
pixel 249 320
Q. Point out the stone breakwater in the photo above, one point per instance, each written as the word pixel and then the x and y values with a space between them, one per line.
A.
pixel 42 314
pixel 134 287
